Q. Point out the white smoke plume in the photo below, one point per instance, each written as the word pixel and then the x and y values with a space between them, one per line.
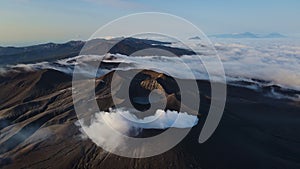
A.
pixel 124 122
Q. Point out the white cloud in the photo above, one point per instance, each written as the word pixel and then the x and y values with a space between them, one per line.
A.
pixel 128 124
pixel 270 60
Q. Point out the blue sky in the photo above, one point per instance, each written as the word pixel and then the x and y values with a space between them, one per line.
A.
pixel 25 22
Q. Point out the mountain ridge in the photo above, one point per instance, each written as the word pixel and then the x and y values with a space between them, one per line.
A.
pixel 39 131
pixel 52 52
pixel 248 35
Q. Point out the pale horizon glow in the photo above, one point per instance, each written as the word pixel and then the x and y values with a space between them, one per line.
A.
pixel 28 22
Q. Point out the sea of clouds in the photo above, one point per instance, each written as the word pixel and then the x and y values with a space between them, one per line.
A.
pixel 274 60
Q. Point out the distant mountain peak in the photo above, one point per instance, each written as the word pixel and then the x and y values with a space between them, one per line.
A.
pixel 275 35
pixel 249 35
pixel 195 38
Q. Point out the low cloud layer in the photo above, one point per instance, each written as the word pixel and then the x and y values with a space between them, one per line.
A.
pixel 274 60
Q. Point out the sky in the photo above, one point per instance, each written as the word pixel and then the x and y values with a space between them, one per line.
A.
pixel 26 22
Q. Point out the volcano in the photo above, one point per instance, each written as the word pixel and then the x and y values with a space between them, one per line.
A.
pixel 38 130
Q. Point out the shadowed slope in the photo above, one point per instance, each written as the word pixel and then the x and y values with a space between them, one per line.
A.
pixel 38 131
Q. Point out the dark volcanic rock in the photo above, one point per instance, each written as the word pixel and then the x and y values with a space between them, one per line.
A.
pixel 52 52
pixel 256 131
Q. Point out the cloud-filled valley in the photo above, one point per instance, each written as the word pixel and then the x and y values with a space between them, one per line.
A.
pixel 274 61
